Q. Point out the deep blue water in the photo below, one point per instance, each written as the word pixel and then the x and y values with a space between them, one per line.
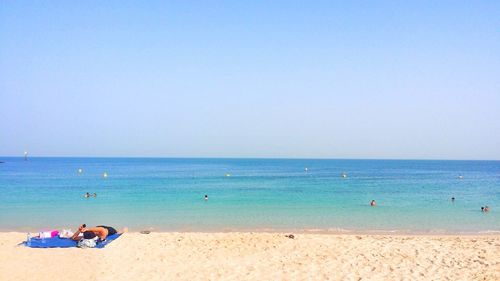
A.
pixel 260 194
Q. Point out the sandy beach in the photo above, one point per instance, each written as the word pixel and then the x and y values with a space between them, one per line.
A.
pixel 258 256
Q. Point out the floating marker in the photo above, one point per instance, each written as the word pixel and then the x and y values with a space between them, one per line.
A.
pixel 344 175
pixel 460 176
pixel 306 169
pixel 25 155
pixel 105 175
pixel 228 174
pixel 80 170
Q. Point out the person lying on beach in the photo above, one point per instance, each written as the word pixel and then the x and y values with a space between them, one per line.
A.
pixel 101 231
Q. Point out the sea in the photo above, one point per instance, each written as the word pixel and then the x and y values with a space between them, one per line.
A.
pixel 303 195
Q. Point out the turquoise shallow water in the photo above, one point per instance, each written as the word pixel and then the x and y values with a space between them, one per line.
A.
pixel 260 194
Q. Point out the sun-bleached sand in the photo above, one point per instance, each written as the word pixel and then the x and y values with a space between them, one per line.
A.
pixel 258 256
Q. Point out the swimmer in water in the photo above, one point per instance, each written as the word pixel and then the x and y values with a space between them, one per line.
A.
pixel 206 197
pixel 486 209
pixel 95 194
pixel 452 199
pixel 87 195
pixel 482 209
pixel 373 203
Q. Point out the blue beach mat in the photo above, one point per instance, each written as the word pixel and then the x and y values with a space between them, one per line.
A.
pixel 56 242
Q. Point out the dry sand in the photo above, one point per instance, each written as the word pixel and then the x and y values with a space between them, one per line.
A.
pixel 258 256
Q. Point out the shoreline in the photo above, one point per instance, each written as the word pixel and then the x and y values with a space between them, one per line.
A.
pixel 299 231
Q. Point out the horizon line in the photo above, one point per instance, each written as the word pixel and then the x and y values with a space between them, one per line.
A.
pixel 263 158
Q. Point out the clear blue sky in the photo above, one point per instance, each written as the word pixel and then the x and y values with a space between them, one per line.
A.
pixel 346 79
